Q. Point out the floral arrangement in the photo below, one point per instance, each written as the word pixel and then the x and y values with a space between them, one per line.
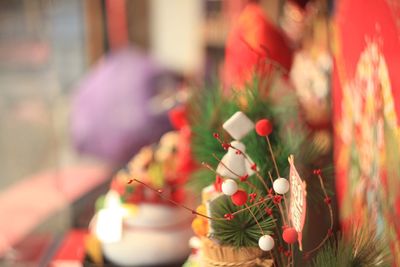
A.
pixel 251 215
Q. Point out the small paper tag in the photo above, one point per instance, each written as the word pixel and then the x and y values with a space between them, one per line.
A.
pixel 298 205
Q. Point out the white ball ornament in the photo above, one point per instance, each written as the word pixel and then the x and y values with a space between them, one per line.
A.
pixel 281 186
pixel 229 187
pixel 266 243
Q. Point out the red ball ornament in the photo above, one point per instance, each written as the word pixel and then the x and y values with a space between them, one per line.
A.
pixel 290 235
pixel 264 127
pixel 177 116
pixel 239 198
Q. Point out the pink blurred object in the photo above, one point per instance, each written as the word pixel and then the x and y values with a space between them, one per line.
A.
pixel 28 203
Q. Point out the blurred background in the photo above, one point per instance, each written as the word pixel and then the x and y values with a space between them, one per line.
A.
pixel 53 56
pixel 84 84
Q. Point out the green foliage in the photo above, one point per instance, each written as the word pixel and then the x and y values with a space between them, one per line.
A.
pixel 362 249
pixel 333 255
pixel 242 230
pixel 210 109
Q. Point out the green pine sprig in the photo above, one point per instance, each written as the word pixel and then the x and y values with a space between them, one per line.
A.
pixel 242 230
pixel 210 108
pixel 363 248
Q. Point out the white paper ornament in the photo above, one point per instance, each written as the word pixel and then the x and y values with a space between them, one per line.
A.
pixel 229 187
pixel 238 125
pixel 112 200
pixel 233 164
pixel 281 186
pixel 108 227
pixel 266 243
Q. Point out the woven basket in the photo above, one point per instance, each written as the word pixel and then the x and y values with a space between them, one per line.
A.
pixel 215 255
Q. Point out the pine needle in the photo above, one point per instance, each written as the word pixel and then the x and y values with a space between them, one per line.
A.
pixel 363 248
pixel 242 230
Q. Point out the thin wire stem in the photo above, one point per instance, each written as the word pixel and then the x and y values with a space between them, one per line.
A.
pixel 330 216
pixel 258 175
pixel 284 200
pixel 223 164
pixel 159 192
pixel 234 173
pixel 292 257
pixel 255 219
pixel 279 237
pixel 249 206
pixel 247 182
pixel 272 156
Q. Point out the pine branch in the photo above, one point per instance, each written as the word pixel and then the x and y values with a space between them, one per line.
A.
pixel 363 248
pixel 209 109
pixel 242 230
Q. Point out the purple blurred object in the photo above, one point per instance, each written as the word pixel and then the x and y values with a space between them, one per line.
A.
pixel 111 115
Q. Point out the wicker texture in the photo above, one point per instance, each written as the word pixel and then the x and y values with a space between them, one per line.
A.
pixel 215 255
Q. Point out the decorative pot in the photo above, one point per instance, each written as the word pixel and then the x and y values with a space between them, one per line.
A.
pixel 157 234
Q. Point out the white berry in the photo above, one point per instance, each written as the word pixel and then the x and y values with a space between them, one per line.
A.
pixel 229 187
pixel 266 243
pixel 281 186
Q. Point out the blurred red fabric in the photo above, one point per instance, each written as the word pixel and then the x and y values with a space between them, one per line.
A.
pixel 252 42
pixel 366 115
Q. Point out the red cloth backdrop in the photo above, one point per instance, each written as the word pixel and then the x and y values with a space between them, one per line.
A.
pixel 253 42
pixel 366 103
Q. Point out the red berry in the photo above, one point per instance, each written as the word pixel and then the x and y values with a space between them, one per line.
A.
pixel 239 198
pixel 264 127
pixel 277 199
pixel 252 197
pixel 254 167
pixel 218 183
pixel 268 211
pixel 270 193
pixel 244 178
pixel 317 171
pixel 290 235
pixel 216 135
pixel 177 116
pixel 226 146
pixel 328 200
pixel 228 216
